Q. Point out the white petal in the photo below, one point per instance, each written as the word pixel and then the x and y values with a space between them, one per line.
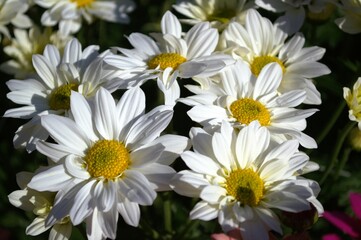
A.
pixel 171 25
pixel 105 195
pixel 65 132
pixel 203 211
pixel 104 115
pixel 74 166
pixel 268 80
pixel 130 106
pixel 81 205
pixel 45 70
pixel 72 51
pixel 213 194
pixel 52 179
pixel 130 212
pixel 37 227
pixel 149 126
pixel 251 142
pixel 61 231
pixel 188 183
pixel 200 163
pixel 82 114
pixel 137 188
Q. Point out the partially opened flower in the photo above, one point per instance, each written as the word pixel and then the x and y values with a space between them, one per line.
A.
pixel 24 45
pixel 13 12
pixel 171 56
pixel 294 12
pixel 69 14
pixel 241 98
pixel 241 176
pixel 260 42
pixel 218 13
pixel 353 100
pixel 49 91
pixel 40 203
pixel 347 224
pixel 351 21
pixel 109 159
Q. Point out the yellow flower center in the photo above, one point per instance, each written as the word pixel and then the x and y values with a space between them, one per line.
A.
pixel 107 159
pixel 324 14
pixel 165 60
pixel 222 15
pixel 246 186
pixel 261 61
pixel 60 97
pixel 82 3
pixel 246 110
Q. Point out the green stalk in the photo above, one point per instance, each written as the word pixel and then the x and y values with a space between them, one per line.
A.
pixel 331 122
pixel 334 158
pixel 345 156
pixel 167 216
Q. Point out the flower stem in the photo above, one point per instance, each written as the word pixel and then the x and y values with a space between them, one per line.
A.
pixel 331 122
pixel 334 158
pixel 167 215
pixel 345 156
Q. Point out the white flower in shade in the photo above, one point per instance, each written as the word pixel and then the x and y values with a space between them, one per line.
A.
pixel 294 11
pixel 172 56
pixel 13 12
pixel 70 13
pixel 259 42
pixel 241 98
pixel 49 92
pixel 218 13
pixel 109 160
pixel 351 21
pixel 40 203
pixel 353 100
pixel 241 177
pixel 24 45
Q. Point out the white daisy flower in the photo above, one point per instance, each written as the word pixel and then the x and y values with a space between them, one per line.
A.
pixel 353 100
pixel 110 159
pixel 294 12
pixel 69 13
pixel 260 42
pixel 24 45
pixel 171 57
pixel 241 98
pixel 40 203
pixel 49 92
pixel 13 12
pixel 351 21
pixel 240 178
pixel 218 13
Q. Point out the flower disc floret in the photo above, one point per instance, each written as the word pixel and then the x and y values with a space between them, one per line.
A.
pixel 246 186
pixel 259 62
pixel 166 60
pixel 246 110
pixel 82 3
pixel 107 159
pixel 222 15
pixel 60 97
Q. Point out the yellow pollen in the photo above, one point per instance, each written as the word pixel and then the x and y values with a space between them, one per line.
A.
pixel 222 15
pixel 246 186
pixel 165 60
pixel 107 159
pixel 261 61
pixel 60 97
pixel 82 3
pixel 246 110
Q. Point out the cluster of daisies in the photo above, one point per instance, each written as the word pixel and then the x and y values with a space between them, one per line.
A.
pixel 253 89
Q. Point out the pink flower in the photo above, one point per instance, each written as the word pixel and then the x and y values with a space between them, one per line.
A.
pixel 349 225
